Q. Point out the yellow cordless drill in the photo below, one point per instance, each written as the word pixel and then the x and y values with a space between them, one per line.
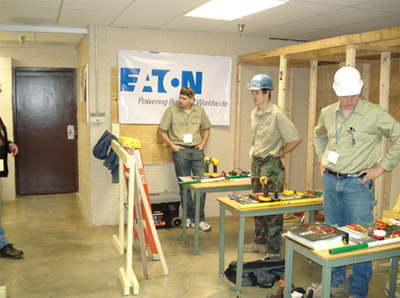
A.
pixel 215 163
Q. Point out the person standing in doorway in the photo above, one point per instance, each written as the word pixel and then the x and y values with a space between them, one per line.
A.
pixel 185 127
pixel 348 139
pixel 274 136
pixel 6 249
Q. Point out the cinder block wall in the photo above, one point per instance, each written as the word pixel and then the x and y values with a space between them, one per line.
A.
pixel 7 185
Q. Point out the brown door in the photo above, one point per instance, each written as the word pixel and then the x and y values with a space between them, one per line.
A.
pixel 45 130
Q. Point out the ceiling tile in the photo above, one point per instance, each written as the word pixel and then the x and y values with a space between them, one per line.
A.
pixel 82 18
pixel 340 17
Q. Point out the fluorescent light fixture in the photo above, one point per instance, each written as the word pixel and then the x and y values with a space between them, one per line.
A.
pixel 232 9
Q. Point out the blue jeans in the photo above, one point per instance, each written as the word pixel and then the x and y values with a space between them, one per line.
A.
pixel 190 162
pixel 348 201
pixel 3 240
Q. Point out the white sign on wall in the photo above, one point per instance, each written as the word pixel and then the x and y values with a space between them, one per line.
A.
pixel 149 82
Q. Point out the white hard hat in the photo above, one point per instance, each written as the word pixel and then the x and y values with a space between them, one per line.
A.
pixel 347 81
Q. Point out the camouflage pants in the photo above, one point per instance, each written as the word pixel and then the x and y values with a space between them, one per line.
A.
pixel 268 228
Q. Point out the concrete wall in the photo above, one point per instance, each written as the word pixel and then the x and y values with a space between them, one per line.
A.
pixel 220 145
pixel 7 185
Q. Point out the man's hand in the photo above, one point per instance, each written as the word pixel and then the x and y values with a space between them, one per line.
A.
pixel 13 148
pixel 176 148
pixel 371 173
pixel 322 169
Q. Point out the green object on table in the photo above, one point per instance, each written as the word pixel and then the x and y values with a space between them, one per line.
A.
pixel 211 179
pixel 347 248
pixel 189 182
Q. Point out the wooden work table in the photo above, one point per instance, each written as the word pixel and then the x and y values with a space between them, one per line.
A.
pixel 328 261
pixel 205 187
pixel 226 204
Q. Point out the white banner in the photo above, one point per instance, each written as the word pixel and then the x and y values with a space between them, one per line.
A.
pixel 149 82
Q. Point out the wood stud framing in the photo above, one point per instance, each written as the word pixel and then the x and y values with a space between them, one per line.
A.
pixel 345 50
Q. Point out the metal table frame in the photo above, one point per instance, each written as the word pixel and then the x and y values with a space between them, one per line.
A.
pixel 328 261
pixel 234 207
pixel 205 187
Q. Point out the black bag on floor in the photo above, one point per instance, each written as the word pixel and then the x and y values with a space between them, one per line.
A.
pixel 263 273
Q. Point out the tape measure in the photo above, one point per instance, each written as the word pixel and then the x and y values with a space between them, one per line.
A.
pixel 379 234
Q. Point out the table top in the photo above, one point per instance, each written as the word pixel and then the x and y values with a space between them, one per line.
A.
pixel 325 255
pixel 236 205
pixel 237 182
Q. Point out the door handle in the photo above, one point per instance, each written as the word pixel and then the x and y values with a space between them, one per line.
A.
pixel 70 132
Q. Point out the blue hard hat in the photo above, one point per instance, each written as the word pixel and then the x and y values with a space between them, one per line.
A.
pixel 261 81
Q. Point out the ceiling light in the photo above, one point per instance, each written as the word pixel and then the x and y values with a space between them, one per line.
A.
pixel 232 9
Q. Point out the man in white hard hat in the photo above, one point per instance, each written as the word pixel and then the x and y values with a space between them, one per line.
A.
pixel 348 140
pixel 274 135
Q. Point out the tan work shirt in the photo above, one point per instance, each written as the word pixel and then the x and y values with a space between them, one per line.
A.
pixel 357 139
pixel 271 130
pixel 178 123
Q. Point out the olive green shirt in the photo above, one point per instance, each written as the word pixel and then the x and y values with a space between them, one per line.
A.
pixel 369 122
pixel 178 123
pixel 271 130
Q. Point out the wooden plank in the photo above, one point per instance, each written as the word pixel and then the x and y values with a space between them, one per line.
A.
pixel 361 38
pixel 312 104
pixel 381 195
pixel 366 73
pixel 289 101
pixel 350 56
pixel 282 82
pixel 154 150
pixel 236 146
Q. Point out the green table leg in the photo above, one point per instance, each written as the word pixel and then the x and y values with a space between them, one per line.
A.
pixel 239 267
pixel 196 227
pixel 184 214
pixel 288 269
pixel 393 276
pixel 312 216
pixel 221 240
pixel 326 279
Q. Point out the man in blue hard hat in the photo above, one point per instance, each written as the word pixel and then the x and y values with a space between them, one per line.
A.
pixel 273 136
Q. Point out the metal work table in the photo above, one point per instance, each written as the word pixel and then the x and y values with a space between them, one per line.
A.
pixel 205 187
pixel 328 261
pixel 226 203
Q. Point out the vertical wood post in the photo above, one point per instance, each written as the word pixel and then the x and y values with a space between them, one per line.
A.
pixel 312 105
pixel 382 192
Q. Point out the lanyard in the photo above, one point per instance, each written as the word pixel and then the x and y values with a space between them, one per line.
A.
pixel 186 119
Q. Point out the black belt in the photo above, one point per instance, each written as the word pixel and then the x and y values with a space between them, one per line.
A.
pixel 186 146
pixel 340 175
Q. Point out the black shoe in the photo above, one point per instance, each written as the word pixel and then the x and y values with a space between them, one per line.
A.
pixel 10 252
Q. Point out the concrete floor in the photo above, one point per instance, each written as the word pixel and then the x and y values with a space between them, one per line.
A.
pixel 65 257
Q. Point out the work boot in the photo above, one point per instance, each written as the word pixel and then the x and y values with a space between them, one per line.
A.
pixel 317 291
pixel 255 248
pixel 10 252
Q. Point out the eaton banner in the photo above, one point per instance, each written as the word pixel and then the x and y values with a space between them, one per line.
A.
pixel 149 82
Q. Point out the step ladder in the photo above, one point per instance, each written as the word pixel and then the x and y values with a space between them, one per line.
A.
pixel 137 201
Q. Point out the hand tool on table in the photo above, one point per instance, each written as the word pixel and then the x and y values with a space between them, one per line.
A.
pixel 363 245
pixel 207 161
pixel 264 184
pixel 215 163
pixel 212 179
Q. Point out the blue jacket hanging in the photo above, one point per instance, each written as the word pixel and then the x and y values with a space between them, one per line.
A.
pixel 102 150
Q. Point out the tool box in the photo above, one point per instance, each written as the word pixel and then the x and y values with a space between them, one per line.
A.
pixel 165 205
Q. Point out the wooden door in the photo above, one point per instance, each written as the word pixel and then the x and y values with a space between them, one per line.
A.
pixel 45 131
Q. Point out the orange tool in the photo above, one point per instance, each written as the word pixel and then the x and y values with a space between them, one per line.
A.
pixel 381 223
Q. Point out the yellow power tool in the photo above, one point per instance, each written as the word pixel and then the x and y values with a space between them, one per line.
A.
pixel 215 163
pixel 264 184
pixel 207 161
